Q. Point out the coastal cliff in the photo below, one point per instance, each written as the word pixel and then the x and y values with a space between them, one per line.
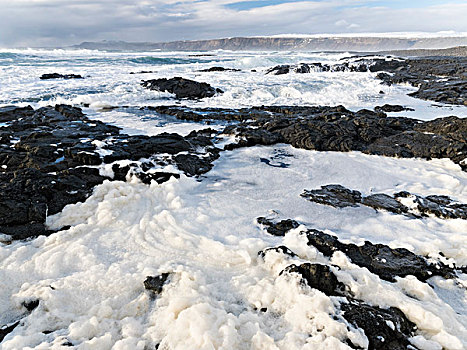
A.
pixel 285 43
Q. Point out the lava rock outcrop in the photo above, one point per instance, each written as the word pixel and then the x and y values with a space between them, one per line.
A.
pixel 181 87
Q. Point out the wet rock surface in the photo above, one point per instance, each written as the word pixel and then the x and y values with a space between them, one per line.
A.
pixel 317 276
pixel 336 129
pixel 60 76
pixel 386 329
pixel 438 79
pixel 181 87
pixel 280 249
pixel 277 228
pixel 392 108
pixel 219 69
pixel 334 195
pixel 7 329
pixel 50 157
pixel 380 259
pixel 156 283
pixel 340 197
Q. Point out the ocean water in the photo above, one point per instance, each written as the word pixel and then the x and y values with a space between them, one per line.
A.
pixel 89 279
pixel 108 83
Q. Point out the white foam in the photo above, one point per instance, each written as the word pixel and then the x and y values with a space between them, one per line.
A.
pixel 108 83
pixel 89 278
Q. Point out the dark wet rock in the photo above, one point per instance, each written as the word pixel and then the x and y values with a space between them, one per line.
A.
pixel 144 72
pixel 336 129
pixel 48 160
pixel 5 330
pixel 60 76
pixel 30 304
pixel 380 259
pixel 181 87
pixel 279 70
pixel 340 197
pixel 277 228
pixel 334 195
pixel 156 283
pixel 392 108
pixel 280 249
pixel 451 127
pixel 438 79
pixel 452 91
pixel 386 329
pixel 439 206
pixel 317 276
pixel 386 202
pixel 219 69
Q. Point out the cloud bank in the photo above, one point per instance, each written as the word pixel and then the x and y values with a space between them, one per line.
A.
pixel 65 22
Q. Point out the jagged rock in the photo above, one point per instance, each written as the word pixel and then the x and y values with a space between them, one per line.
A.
pixel 392 108
pixel 156 283
pixel 60 76
pixel 334 195
pixel 452 91
pixel 341 197
pixel 428 74
pixel 219 69
pixel 181 87
pixel 336 129
pixel 380 259
pixel 317 276
pixel 279 70
pixel 5 330
pixel 30 304
pixel 440 206
pixel 277 228
pixel 438 79
pixel 49 167
pixel 386 202
pixel 386 329
pixel 280 249
pixel 452 127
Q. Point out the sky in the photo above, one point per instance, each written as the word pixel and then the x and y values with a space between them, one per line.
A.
pixel 40 23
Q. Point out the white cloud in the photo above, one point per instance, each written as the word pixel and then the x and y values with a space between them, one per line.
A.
pixel 58 22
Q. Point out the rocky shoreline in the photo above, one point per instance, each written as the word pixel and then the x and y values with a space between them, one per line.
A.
pixel 55 156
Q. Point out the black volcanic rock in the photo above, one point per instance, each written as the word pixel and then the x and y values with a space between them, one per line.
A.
pixel 438 79
pixel 48 160
pixel 156 283
pixel 386 202
pixel 277 228
pixel 7 329
pixel 181 87
pixel 317 276
pixel 392 108
pixel 379 259
pixel 336 129
pixel 334 195
pixel 280 249
pixel 279 70
pixel 386 329
pixel 60 76
pixel 219 69
pixel 340 197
